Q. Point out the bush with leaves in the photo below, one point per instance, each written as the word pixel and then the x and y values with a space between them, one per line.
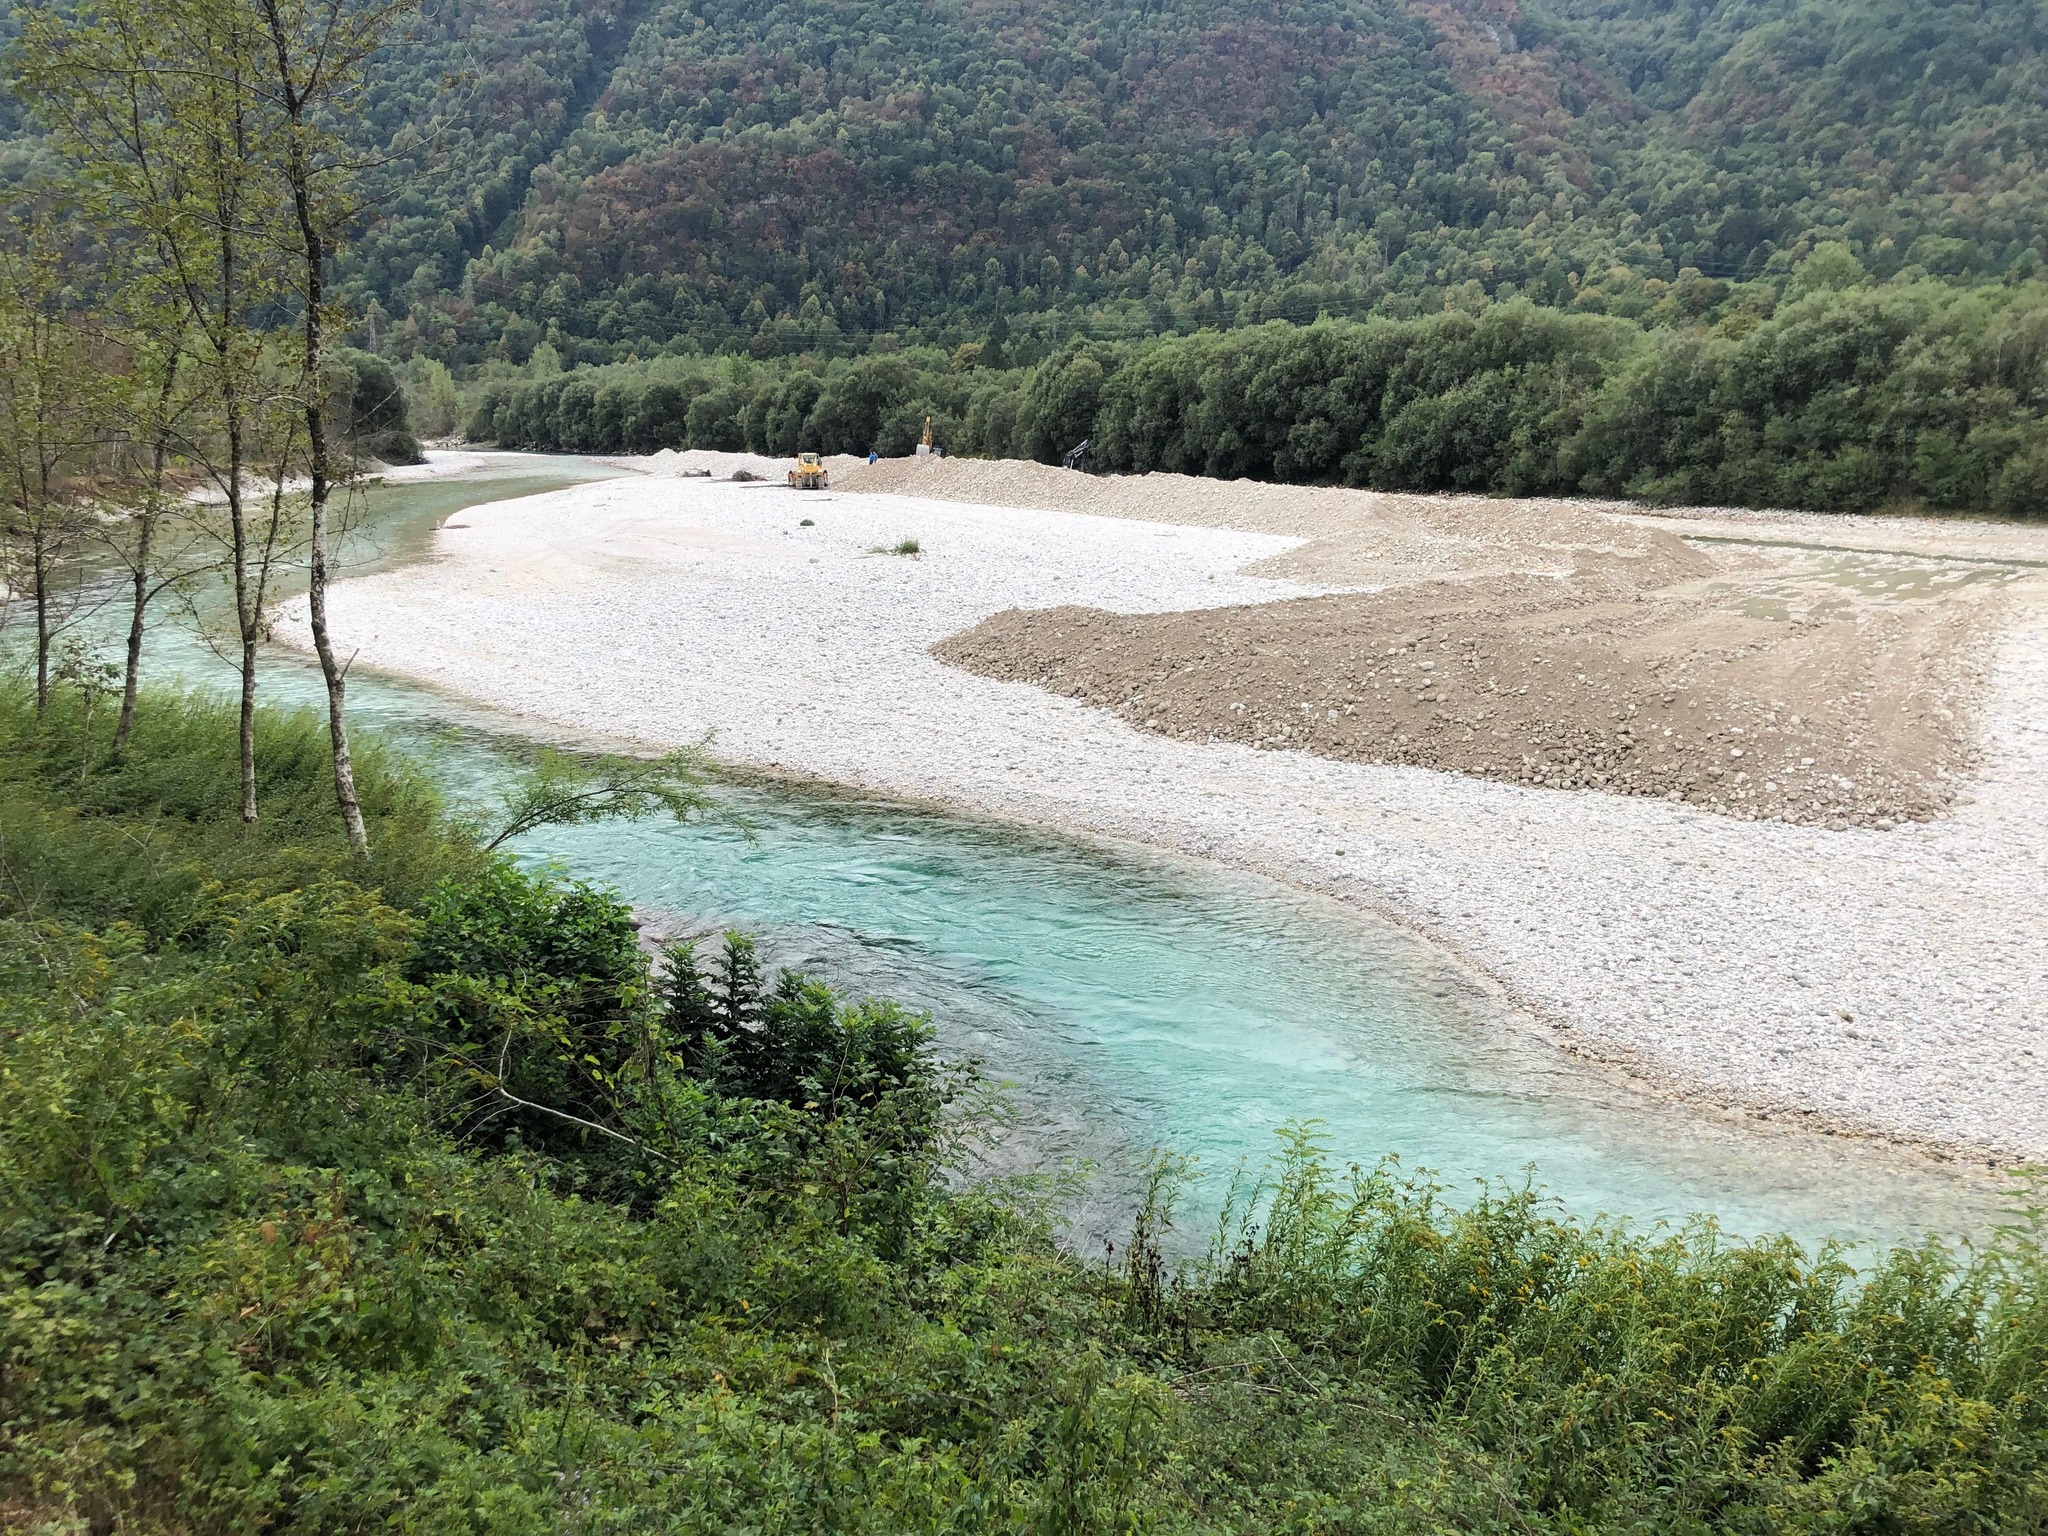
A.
pixel 535 992
pixel 369 407
pixel 254 1278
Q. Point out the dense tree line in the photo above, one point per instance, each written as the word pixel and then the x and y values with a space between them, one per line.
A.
pixel 833 407
pixel 1849 395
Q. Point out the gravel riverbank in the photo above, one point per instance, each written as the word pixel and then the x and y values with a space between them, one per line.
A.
pixel 1888 982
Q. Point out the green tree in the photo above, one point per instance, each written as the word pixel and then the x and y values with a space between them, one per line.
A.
pixel 156 103
pixel 54 418
pixel 314 83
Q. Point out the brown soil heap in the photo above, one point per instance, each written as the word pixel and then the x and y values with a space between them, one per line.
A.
pixel 1802 686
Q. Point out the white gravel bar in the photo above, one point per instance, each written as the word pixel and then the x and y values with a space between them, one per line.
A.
pixel 1886 983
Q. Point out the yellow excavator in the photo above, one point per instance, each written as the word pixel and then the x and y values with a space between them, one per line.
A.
pixel 807 474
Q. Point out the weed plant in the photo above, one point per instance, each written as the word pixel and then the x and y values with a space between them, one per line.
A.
pixel 413 1198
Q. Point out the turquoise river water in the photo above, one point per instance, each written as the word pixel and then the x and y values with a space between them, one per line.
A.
pixel 1135 1001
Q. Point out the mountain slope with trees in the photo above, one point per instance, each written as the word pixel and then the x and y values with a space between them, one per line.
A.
pixel 621 179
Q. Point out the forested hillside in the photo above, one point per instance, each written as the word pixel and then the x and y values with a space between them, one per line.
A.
pixel 779 177
pixel 1048 222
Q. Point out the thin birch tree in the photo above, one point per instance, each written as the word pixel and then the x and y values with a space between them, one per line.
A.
pixel 155 99
pixel 319 52
pixel 99 107
pixel 155 408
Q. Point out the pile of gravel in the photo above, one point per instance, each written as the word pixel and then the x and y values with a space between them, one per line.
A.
pixel 1550 682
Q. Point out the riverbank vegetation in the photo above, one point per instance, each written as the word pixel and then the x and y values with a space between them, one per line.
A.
pixel 341 1195
pixel 1850 395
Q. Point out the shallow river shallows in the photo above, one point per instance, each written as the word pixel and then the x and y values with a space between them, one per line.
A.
pixel 1135 1001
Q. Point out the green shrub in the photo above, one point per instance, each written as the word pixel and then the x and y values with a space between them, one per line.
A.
pixel 252 1277
pixel 792 1041
pixel 534 991
pixel 368 407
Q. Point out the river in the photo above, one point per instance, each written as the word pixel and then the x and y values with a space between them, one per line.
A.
pixel 1131 1000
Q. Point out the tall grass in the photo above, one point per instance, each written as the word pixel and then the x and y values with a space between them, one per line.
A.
pixel 136 835
pixel 1650 1379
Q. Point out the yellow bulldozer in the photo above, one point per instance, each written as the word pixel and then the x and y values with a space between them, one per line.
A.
pixel 807 474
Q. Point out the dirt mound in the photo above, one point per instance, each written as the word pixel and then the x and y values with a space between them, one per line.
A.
pixel 1567 644
pixel 990 482
pixel 686 462
pixel 1609 677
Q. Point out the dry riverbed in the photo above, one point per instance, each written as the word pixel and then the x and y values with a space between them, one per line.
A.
pixel 1757 807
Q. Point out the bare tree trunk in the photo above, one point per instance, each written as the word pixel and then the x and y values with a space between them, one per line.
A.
pixel 253 633
pixel 131 677
pixel 247 737
pixel 315 251
pixel 245 623
pixel 40 573
pixel 337 683
pixel 248 613
pixel 145 536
